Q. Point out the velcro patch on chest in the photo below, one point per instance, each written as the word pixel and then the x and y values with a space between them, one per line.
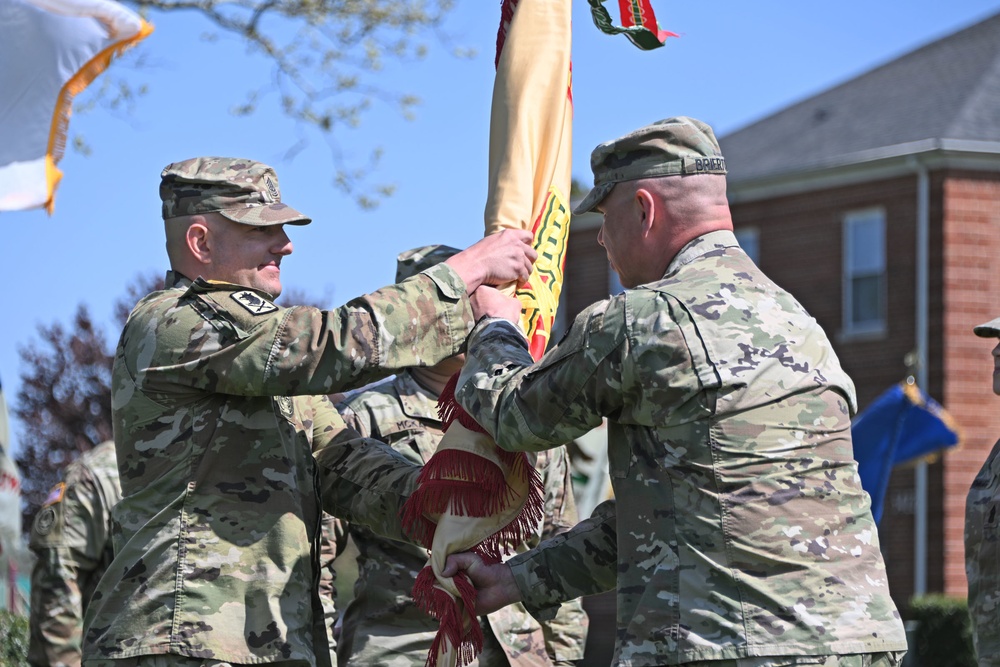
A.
pixel 252 302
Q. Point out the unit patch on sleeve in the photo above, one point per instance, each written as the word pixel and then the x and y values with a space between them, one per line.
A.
pixel 256 304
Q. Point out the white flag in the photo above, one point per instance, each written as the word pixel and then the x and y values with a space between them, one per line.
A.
pixel 50 50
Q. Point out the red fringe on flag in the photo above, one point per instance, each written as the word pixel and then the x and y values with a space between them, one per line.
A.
pixel 449 410
pixel 458 481
pixel 466 637
pixel 506 16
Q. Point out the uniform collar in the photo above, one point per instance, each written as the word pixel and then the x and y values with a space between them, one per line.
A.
pixel 701 246
pixel 201 286
pixel 416 401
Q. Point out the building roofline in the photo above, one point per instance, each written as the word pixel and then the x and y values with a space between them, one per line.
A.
pixel 854 168
pixel 870 165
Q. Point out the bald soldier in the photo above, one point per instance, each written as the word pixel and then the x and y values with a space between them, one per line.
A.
pixel 219 405
pixel 382 625
pixel 740 535
pixel 982 535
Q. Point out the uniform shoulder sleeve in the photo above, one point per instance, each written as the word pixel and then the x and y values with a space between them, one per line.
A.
pixel 534 406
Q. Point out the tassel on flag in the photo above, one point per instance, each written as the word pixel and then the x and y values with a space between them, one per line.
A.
pixel 50 50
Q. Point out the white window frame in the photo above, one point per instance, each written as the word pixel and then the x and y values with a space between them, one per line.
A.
pixel 878 326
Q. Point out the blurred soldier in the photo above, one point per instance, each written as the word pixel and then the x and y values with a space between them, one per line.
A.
pixel 71 540
pixel 219 403
pixel 740 534
pixel 982 536
pixel 333 538
pixel 382 626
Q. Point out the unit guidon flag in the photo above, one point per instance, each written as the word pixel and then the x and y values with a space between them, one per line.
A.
pixel 472 495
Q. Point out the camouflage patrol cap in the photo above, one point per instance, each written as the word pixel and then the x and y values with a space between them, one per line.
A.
pixel 412 262
pixel 990 329
pixel 241 190
pixel 678 146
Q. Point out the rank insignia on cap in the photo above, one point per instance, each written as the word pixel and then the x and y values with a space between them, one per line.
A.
pixel 254 303
pixel 272 189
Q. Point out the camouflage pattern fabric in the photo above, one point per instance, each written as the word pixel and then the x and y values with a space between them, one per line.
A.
pixel 71 541
pixel 744 529
pixel 382 625
pixel 678 146
pixel 982 556
pixel 243 191
pixel 333 537
pixel 218 399
pixel 888 659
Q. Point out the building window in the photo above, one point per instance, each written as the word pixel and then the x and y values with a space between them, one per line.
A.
pixel 749 240
pixel 864 272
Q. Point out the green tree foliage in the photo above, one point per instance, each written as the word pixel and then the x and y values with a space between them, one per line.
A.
pixel 944 633
pixel 13 639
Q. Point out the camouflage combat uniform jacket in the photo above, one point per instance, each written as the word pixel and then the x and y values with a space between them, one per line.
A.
pixel 744 529
pixel 216 415
pixel 382 625
pixel 71 541
pixel 982 559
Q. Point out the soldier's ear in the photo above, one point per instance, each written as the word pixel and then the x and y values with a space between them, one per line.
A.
pixel 198 240
pixel 647 204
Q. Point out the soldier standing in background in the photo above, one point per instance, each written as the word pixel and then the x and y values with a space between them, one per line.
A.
pixel 740 534
pixel 382 626
pixel 227 443
pixel 982 536
pixel 71 541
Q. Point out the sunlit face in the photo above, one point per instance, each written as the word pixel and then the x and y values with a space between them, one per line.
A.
pixel 621 234
pixel 996 369
pixel 248 255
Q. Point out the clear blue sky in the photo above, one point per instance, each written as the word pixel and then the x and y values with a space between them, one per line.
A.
pixel 734 63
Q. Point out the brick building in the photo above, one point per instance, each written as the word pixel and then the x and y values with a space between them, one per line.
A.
pixel 877 203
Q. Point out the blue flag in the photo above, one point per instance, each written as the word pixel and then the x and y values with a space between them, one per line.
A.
pixel 901 425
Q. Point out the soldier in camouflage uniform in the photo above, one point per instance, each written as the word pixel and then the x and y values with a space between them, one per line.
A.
pixel 71 541
pixel 333 538
pixel 382 625
pixel 982 537
pixel 227 443
pixel 745 537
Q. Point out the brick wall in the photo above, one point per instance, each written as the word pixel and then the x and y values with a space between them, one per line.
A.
pixel 971 240
pixel 586 276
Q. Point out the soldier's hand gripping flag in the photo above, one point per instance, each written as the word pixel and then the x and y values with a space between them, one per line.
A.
pixel 472 494
pixel 50 50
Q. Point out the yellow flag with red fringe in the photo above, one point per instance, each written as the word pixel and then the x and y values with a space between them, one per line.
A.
pixel 472 495
pixel 50 51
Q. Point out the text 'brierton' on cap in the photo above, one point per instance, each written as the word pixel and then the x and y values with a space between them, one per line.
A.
pixel 678 146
